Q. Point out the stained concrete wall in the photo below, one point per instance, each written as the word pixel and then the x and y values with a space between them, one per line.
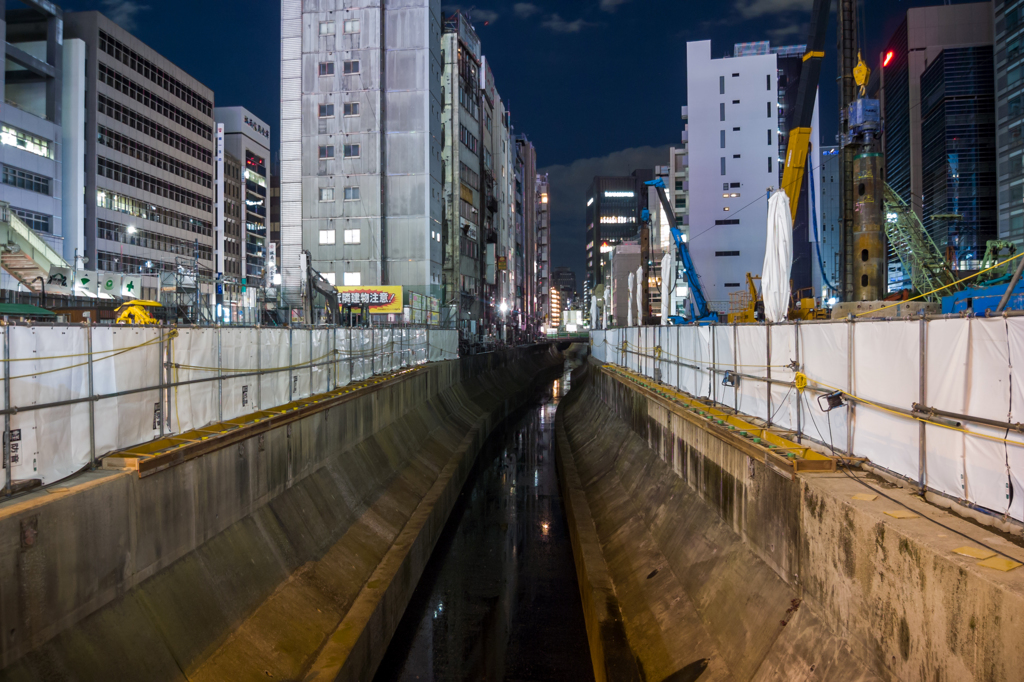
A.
pixel 710 563
pixel 246 562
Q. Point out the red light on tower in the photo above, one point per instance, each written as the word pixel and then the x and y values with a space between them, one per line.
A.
pixel 888 58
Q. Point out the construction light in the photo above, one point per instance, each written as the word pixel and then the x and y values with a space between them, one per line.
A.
pixel 888 58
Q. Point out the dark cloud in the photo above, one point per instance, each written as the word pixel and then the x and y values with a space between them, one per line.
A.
pixel 612 5
pixel 559 25
pixel 752 9
pixel 525 9
pixel 475 14
pixel 567 198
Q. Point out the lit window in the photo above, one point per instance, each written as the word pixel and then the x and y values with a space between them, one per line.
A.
pixel 327 151
pixel 351 26
pixel 353 279
pixel 351 108
pixel 326 111
pixel 326 236
pixel 326 68
pixel 350 151
pixel 326 194
pixel 329 276
pixel 351 194
pixel 30 143
pixel 352 236
pixel 350 67
pixel 327 28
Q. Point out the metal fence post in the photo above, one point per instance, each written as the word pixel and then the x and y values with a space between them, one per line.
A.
pixel 712 381
pixel 922 467
pixel 167 382
pixel 291 370
pixel 768 366
pixel 220 374
pixel 735 365
pixel 332 374
pixel 7 407
pixel 799 416
pixel 259 368
pixel 311 363
pixel 160 380
pixel 850 406
pixel 92 403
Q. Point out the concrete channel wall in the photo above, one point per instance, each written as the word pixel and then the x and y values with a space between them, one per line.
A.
pixel 289 555
pixel 698 561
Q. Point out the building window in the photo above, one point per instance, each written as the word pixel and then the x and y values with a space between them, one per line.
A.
pixel 732 284
pixel 721 85
pixel 769 136
pixel 731 221
pixel 30 143
pixel 351 108
pixel 735 156
pixel 39 222
pixel 326 68
pixel 735 101
pixel 327 28
pixel 26 180
pixel 327 151
pixel 326 236
pixel 769 164
pixel 721 111
pixel 350 67
pixel 722 139
pixel 329 276
pixel 353 236
pixel 325 111
pixel 352 279
pixel 351 26
pixel 326 194
pixel 723 165
pixel 768 81
pixel 727 253
pixel 351 194
pixel 679 184
pixel 769 109
pixel 351 151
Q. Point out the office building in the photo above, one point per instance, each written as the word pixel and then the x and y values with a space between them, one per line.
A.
pixel 148 149
pixel 736 105
pixel 361 147
pixel 31 120
pixel 246 142
pixel 229 242
pixel 830 227
pixel 544 274
pixel 613 211
pixel 1008 22
pixel 529 272
pixel 564 279
pixel 917 43
pixel 958 156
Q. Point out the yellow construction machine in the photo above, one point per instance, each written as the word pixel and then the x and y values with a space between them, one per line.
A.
pixel 748 306
pixel 136 312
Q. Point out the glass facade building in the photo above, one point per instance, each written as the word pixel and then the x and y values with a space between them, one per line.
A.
pixel 1009 82
pixel 958 153
pixel 613 215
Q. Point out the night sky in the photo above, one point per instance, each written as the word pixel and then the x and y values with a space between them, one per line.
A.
pixel 596 84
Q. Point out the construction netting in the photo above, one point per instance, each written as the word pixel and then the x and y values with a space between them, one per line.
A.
pixel 79 392
pixel 937 402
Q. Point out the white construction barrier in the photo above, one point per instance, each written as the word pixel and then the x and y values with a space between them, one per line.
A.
pixel 936 401
pixel 69 405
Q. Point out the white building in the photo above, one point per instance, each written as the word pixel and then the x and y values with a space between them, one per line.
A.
pixel 361 143
pixel 734 109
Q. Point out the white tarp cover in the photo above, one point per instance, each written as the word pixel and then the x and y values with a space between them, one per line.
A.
pixel 274 354
pixel 668 281
pixel 752 359
pixel 946 389
pixel 343 364
pixel 640 284
pixel 320 374
pixel 778 258
pixel 629 304
pixel 238 355
pixel 824 356
pixel 133 418
pixel 194 405
pixel 784 398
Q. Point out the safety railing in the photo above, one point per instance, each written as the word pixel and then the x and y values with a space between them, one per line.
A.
pixel 938 401
pixel 73 393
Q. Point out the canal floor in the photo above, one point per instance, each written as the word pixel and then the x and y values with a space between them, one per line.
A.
pixel 499 598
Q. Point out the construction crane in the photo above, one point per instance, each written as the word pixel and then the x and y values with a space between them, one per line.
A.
pixel 914 247
pixel 700 311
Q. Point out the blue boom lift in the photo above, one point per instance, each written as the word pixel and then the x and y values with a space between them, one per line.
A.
pixel 699 310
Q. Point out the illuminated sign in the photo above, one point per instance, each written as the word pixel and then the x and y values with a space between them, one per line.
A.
pixel 615 219
pixel 590 201
pixel 381 299
pixel 619 194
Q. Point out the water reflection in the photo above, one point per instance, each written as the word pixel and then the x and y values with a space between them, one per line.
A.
pixel 499 598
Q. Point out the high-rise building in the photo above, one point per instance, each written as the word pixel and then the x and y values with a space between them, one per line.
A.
pixel 229 244
pixel 613 211
pixel 361 144
pixel 917 43
pixel 543 251
pixel 564 279
pixel 31 119
pixel 830 230
pixel 527 197
pixel 148 148
pixel 737 105
pixel 1008 21
pixel 958 157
